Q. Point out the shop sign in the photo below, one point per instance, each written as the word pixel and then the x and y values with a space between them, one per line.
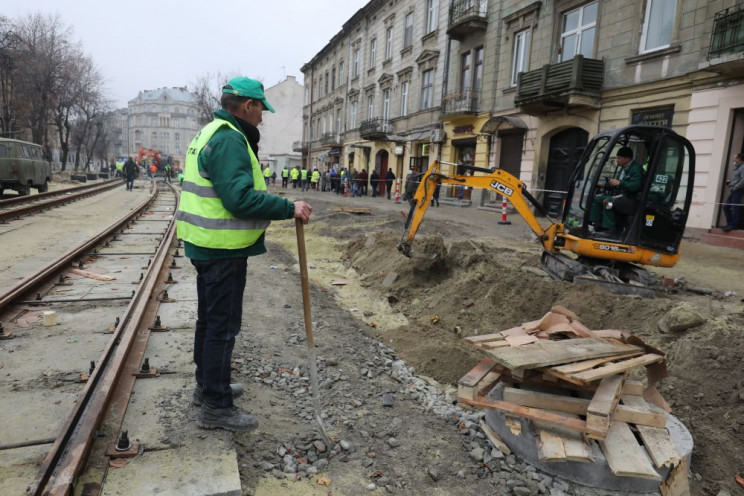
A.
pixel 656 117
pixel 463 129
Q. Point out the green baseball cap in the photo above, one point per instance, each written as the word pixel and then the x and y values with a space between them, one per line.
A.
pixel 248 88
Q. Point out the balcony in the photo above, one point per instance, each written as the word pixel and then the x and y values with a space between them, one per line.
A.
pixel 726 53
pixel 574 83
pixel 300 146
pixel 333 139
pixel 467 17
pixel 376 129
pixel 461 103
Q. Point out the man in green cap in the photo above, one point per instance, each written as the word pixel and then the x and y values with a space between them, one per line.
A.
pixel 222 218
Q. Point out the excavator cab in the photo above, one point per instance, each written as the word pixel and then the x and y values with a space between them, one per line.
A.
pixel 653 218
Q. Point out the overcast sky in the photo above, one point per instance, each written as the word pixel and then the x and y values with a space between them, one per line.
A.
pixel 149 44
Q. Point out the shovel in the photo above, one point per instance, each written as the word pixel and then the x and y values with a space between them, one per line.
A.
pixel 309 326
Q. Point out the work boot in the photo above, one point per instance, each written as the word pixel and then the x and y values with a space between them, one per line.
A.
pixel 198 397
pixel 229 418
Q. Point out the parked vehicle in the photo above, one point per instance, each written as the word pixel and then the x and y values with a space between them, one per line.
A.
pixel 23 166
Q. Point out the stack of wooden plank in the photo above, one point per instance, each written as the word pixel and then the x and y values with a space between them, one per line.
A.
pixel 573 384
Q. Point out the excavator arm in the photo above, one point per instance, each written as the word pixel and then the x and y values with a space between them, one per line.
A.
pixel 497 180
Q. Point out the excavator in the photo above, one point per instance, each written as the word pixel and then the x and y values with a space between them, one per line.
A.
pixel 648 230
pixel 152 156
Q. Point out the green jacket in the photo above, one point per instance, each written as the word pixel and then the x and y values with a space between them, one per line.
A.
pixel 227 163
pixel 631 179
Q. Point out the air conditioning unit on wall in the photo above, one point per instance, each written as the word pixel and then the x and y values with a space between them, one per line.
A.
pixel 437 136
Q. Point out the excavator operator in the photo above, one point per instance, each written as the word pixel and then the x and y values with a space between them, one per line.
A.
pixel 624 200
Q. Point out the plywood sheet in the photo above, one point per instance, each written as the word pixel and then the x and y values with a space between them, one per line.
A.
pixel 624 455
pixel 547 353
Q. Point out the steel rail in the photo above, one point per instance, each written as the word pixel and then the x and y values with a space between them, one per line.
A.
pixel 20 200
pixel 33 282
pixel 68 455
pixel 53 200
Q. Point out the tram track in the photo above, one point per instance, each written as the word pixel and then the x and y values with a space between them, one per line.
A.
pixel 13 208
pixel 136 248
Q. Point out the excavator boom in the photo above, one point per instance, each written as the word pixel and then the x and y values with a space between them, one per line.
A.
pixel 497 180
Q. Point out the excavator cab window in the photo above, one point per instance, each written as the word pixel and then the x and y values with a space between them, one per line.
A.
pixel 582 184
pixel 668 197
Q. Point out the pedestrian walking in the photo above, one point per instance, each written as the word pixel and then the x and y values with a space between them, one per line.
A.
pixel 130 170
pixel 222 219
pixel 389 178
pixel 374 180
pixel 732 209
pixel 285 177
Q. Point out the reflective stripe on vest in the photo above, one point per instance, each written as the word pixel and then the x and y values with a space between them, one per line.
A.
pixel 202 219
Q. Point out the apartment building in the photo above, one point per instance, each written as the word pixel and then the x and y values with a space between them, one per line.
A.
pixel 164 119
pixel 523 85
pixel 374 92
pixel 278 130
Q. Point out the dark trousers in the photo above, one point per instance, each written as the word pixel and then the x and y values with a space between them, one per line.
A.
pixel 130 181
pixel 284 182
pixel 389 186
pixel 732 212
pixel 219 287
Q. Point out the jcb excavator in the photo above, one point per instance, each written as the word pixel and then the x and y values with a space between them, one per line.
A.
pixel 649 227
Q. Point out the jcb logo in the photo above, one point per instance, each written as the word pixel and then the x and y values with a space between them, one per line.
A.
pixel 501 188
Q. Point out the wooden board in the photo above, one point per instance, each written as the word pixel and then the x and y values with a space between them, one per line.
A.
pixel 677 483
pixel 656 439
pixel 484 338
pixel 494 438
pixel 547 353
pixel 91 275
pixel 624 455
pixel 559 445
pixel 576 367
pixel 617 368
pixel 351 210
pixel 479 380
pixel 603 403
pixel 526 412
pixel 518 340
pixel 578 406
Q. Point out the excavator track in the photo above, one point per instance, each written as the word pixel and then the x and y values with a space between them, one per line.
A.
pixel 621 279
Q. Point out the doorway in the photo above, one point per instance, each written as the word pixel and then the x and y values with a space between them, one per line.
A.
pixel 736 145
pixel 565 151
pixel 381 166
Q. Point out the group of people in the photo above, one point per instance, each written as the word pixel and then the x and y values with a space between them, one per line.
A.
pixel 342 181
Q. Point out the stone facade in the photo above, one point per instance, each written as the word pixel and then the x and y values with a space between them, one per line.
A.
pixel 608 65
pixel 165 119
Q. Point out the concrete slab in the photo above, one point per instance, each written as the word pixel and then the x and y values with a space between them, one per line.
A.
pixel 179 458
pixel 595 475
pixel 208 468
pixel 38 423
pixel 18 467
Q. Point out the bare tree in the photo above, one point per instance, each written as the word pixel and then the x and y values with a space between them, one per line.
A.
pixel 46 44
pixel 10 56
pixel 208 89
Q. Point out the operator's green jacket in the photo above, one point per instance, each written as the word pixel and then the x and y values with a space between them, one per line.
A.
pixel 632 179
pixel 226 162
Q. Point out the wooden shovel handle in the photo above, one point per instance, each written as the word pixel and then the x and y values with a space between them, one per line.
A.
pixel 305 283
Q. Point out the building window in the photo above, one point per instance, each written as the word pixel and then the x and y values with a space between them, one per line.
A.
pixel 660 18
pixel 389 44
pixel 341 73
pixel 521 55
pixel 333 79
pixel 431 15
pixel 404 99
pixel 578 31
pixel 427 89
pixel 338 120
pixel 355 72
pixel 465 72
pixel 386 105
pixel 326 84
pixel 478 71
pixel 408 32
pixel 177 136
pixel 370 106
pixel 372 52
pixel 353 115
